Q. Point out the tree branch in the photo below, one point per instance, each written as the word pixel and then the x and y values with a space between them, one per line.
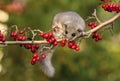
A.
pixel 102 25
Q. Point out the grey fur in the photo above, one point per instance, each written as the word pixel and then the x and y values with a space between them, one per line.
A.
pixel 74 22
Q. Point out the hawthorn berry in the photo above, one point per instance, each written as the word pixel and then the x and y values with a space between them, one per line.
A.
pixel 1 35
pixel 41 34
pixel 33 59
pixel 35 55
pixel 77 48
pixel 73 47
pixel 53 39
pixel 50 34
pixel 63 42
pixel 23 38
pixel 46 35
pixel 70 44
pixel 3 39
pixel 100 37
pixel 37 46
pixel 32 62
pixel 56 43
pixel 33 50
pixel 21 31
pixel 43 56
pixel 27 46
pixel 38 58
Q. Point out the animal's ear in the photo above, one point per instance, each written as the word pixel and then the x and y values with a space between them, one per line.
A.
pixel 56 29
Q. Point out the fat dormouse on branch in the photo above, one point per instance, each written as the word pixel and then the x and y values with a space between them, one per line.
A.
pixel 69 25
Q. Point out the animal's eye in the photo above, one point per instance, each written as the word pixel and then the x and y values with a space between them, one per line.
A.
pixel 66 32
pixel 73 34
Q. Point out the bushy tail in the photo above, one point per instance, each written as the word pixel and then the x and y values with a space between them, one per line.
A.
pixel 46 64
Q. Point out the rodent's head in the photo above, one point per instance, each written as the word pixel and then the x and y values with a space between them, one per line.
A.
pixel 71 33
pixel 70 24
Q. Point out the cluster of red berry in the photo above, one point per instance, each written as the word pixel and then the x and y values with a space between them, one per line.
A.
pixel 49 38
pixel 95 35
pixel 18 36
pixel 32 47
pixel 71 44
pixel 36 57
pixel 92 25
pixel 2 38
pixel 111 7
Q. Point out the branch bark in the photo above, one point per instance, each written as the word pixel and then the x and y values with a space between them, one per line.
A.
pixel 102 25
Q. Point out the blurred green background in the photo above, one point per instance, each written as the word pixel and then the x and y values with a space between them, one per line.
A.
pixel 96 61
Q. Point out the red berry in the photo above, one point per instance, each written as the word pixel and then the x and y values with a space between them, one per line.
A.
pixel 35 55
pixel 90 24
pixel 50 34
pixel 0 39
pixel 95 25
pixel 77 48
pixel 33 50
pixel 38 58
pixel 73 47
pixel 1 35
pixel 23 38
pixel 50 41
pixel 33 59
pixel 42 34
pixel 46 36
pixel 33 62
pixel 56 43
pixel 21 31
pixel 53 39
pixel 3 39
pixel 27 46
pixel 19 38
pixel 95 35
pixel 63 42
pixel 43 56
pixel 71 43
pixel 37 46
pixel 100 37
pixel 96 39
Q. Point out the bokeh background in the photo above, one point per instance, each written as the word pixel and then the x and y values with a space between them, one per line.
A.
pixel 96 61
